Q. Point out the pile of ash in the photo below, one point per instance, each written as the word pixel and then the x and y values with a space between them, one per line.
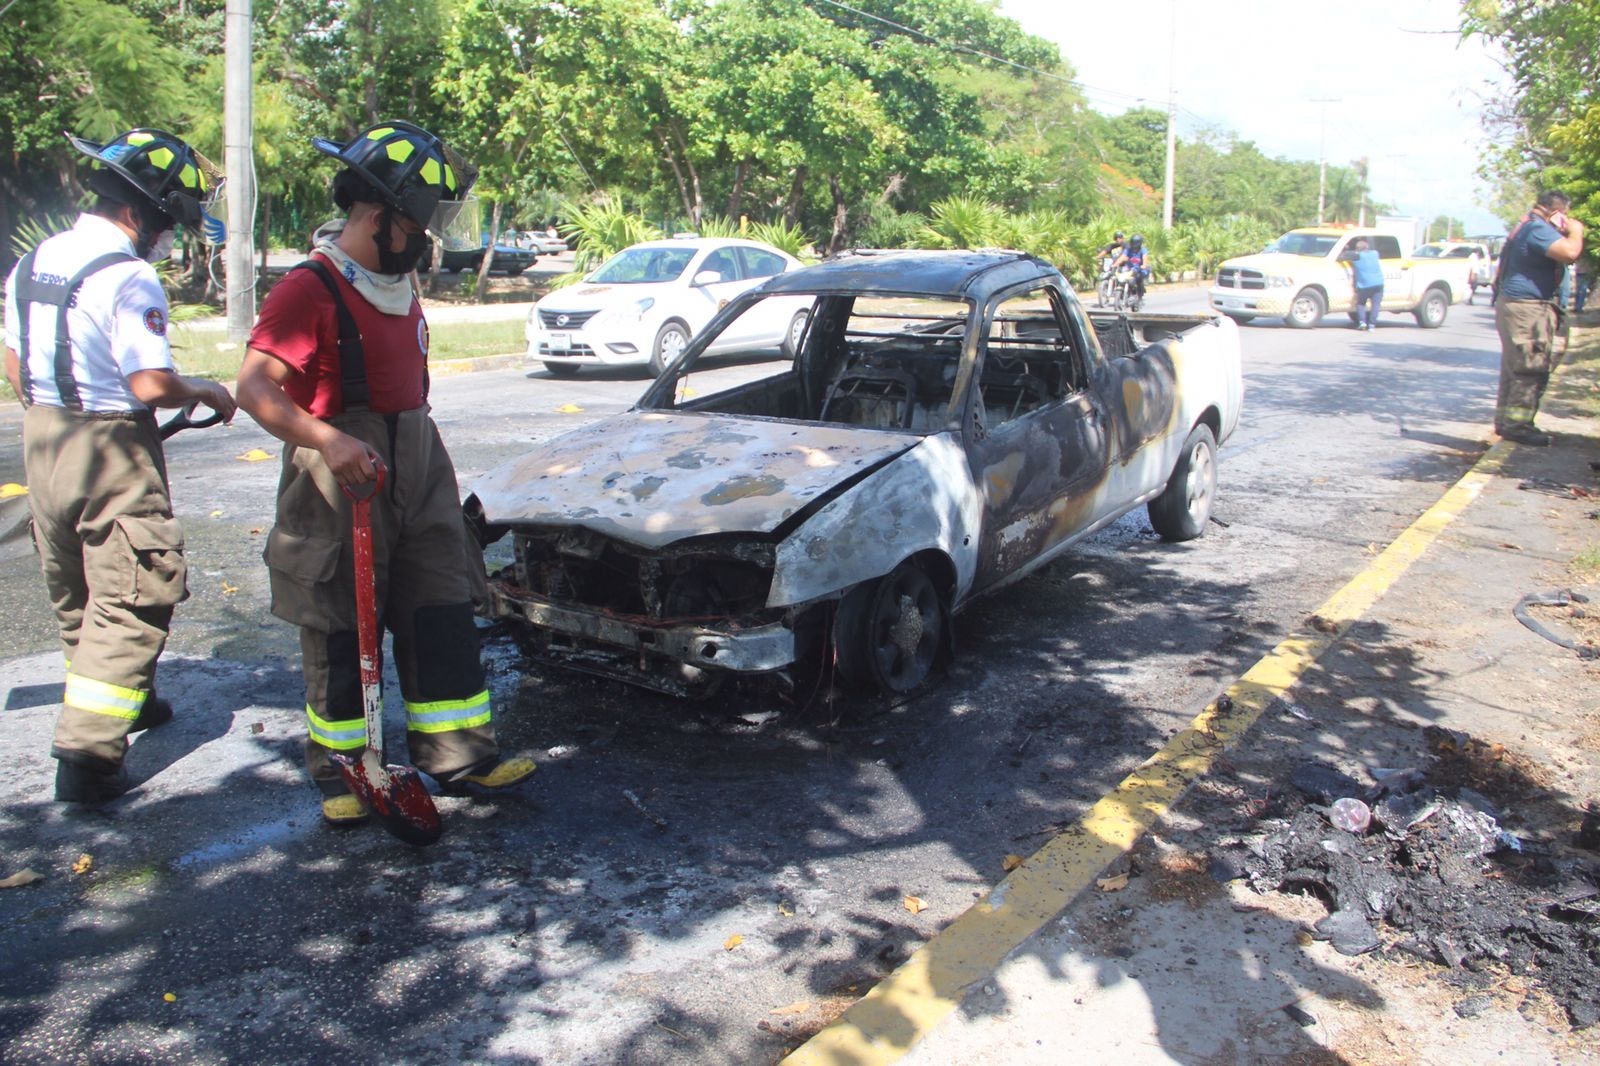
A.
pixel 1420 863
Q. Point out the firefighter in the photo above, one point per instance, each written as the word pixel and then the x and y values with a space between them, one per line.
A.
pixel 88 356
pixel 337 369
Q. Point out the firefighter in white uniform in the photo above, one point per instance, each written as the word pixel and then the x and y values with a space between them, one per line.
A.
pixel 87 354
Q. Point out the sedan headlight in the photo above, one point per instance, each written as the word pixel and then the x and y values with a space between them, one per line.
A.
pixel 632 311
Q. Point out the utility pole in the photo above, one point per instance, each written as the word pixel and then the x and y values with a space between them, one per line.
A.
pixel 1172 121
pixel 239 292
pixel 1322 156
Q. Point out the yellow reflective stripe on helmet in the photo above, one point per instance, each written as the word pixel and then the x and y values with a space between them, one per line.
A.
pixel 98 697
pixel 140 138
pixel 443 716
pixel 399 150
pixel 379 133
pixel 342 735
pixel 191 177
pixel 449 178
pixel 430 171
pixel 162 157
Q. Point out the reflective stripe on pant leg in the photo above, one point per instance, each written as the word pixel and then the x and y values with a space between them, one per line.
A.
pixel 98 697
pixel 443 716
pixel 334 718
pixel 96 717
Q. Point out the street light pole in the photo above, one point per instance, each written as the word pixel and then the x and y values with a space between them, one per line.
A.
pixel 1322 157
pixel 239 291
pixel 1172 121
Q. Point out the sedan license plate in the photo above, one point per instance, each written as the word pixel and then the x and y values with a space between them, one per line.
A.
pixel 560 342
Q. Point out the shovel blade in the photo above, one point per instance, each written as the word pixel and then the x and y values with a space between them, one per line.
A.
pixel 394 794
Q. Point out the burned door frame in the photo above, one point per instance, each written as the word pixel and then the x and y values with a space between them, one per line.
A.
pixel 1040 469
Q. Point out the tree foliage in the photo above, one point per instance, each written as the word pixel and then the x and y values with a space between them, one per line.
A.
pixel 1549 129
pixel 877 121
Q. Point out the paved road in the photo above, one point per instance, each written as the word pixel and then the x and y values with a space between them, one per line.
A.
pixel 590 919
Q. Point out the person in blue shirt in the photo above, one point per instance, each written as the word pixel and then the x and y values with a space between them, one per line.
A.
pixel 1137 258
pixel 1366 271
pixel 1531 323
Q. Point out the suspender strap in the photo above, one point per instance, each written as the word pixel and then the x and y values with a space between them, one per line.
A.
pixel 352 355
pixel 60 295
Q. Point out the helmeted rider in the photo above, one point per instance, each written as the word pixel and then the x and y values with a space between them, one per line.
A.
pixel 87 354
pixel 337 369
pixel 1110 252
pixel 1137 259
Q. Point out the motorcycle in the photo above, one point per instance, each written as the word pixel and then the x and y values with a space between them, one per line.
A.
pixel 1124 294
pixel 1102 289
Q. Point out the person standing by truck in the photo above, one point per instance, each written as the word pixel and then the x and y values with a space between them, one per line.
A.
pixel 1366 274
pixel 1532 325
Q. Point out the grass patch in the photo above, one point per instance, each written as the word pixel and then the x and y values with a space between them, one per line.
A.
pixel 202 353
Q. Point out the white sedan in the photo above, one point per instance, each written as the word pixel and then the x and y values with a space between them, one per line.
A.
pixel 644 304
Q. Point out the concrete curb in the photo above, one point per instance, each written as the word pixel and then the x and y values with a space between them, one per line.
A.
pixel 451 367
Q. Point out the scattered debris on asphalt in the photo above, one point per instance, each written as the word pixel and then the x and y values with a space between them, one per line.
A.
pixel 21 878
pixel 1422 862
pixel 638 805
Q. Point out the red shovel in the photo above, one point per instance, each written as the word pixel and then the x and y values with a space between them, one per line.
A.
pixel 395 794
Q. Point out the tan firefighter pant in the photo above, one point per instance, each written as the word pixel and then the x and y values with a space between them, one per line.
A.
pixel 113 563
pixel 1533 339
pixel 427 574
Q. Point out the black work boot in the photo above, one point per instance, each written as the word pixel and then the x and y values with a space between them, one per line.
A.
pixel 1525 433
pixel 83 778
pixel 156 711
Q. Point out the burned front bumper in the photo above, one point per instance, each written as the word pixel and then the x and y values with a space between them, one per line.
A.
pixel 644 642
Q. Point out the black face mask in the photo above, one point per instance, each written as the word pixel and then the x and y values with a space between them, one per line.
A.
pixel 401 262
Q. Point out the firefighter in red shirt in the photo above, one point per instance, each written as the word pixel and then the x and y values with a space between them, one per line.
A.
pixel 337 369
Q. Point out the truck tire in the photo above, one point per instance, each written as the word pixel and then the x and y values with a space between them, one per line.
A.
pixel 888 633
pixel 1306 310
pixel 1431 312
pixel 1181 511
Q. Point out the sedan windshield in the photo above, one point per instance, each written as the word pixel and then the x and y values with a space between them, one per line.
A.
pixel 1314 244
pixel 635 266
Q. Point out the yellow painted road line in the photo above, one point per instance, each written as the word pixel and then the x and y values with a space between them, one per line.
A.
pixel 909 1003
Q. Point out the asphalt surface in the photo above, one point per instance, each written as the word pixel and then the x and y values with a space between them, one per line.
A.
pixel 681 882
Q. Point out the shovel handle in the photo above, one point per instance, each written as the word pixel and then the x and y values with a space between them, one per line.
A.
pixel 367 602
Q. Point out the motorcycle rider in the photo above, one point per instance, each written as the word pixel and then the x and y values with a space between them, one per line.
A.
pixel 337 369
pixel 1137 259
pixel 87 354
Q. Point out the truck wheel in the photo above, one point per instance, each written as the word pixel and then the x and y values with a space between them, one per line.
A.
pixel 1307 309
pixel 1431 311
pixel 1184 506
pixel 669 346
pixel 888 633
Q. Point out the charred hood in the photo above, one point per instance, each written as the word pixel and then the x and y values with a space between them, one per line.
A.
pixel 652 478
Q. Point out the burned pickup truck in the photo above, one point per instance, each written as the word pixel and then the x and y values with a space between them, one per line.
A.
pixel 950 422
